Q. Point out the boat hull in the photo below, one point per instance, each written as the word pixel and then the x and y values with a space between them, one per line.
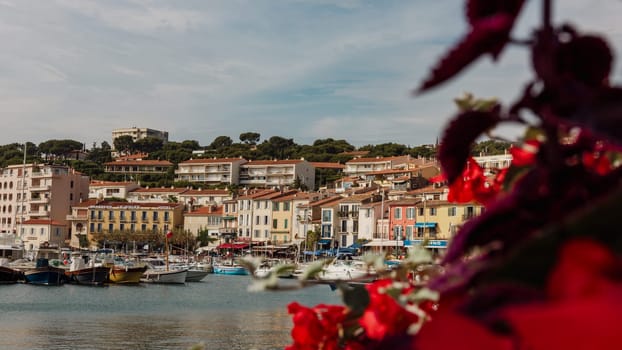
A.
pixel 230 270
pixel 48 276
pixel 172 277
pixel 126 275
pixel 196 275
pixel 91 275
pixel 9 275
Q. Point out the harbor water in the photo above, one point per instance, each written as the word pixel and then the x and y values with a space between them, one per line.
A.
pixel 219 313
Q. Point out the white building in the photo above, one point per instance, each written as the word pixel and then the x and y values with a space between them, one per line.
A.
pixel 210 170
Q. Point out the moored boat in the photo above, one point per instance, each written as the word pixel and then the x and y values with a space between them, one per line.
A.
pixel 44 274
pixel 229 267
pixel 126 274
pixel 164 276
pixel 196 275
pixel 81 274
pixel 345 268
pixel 9 275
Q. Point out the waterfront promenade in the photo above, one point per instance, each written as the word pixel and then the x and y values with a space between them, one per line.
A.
pixel 219 312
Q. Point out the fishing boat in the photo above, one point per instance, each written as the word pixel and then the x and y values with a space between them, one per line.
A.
pixel 196 273
pixel 229 267
pixel 9 275
pixel 126 273
pixel 267 266
pixel 156 273
pixel 345 268
pixel 44 274
pixel 80 273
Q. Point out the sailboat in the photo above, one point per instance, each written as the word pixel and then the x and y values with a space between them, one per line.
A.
pixel 155 274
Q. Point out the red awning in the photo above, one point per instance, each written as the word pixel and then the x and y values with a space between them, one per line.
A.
pixel 233 246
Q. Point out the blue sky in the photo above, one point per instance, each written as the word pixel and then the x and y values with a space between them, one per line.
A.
pixel 301 69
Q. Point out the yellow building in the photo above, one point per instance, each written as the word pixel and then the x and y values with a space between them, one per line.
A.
pixel 282 222
pixel 108 217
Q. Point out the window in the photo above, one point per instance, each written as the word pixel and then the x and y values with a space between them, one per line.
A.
pixel 155 216
pixel 144 216
pixel 154 228
pixel 274 223
pixel 257 220
pixel 275 206
pixel 92 227
pixel 326 215
pixel 122 215
pixel 99 227
pixel 432 211
pixel 256 233
pixel 100 215
pixel 285 224
pixel 241 220
pixel 286 206
pixel 110 227
pixel 71 196
pixel 344 226
pixel 420 211
pixel 143 227
pixel 265 219
pixel 409 233
pixel 42 231
pixel 111 215
pixel 166 216
pixel 133 215
pixel 397 213
pixel 355 226
pixel 132 227
pixel 451 211
pixel 410 213
pixel 257 205
pixel 266 233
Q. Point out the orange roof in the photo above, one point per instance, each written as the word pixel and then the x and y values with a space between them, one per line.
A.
pixel 206 210
pixel 212 160
pixel 206 192
pixel 86 203
pixel 161 190
pixel 274 162
pixel 141 162
pixel 377 159
pixel 98 183
pixel 328 165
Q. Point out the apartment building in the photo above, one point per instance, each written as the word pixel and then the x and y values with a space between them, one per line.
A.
pixel 38 192
pixel 348 214
pixel 277 173
pixel 197 198
pixel 229 228
pixel 360 167
pixel 111 189
pixel 107 217
pixel 494 162
pixel 210 170
pixel 207 218
pixel 135 168
pixel 38 232
pixel 282 218
pixel 139 133
pixel 156 194
pixel 247 215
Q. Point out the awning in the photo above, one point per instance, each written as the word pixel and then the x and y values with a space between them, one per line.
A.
pixel 425 224
pixel 432 243
pixel 233 246
pixel 384 243
pixel 325 241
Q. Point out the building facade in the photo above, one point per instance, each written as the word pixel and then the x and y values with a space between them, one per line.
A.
pixel 139 134
pixel 210 170
pixel 38 192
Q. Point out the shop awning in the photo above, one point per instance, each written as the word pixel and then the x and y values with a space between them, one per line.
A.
pixel 425 224
pixel 384 243
pixel 325 241
pixel 233 246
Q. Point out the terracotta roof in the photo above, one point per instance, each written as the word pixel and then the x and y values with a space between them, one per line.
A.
pixel 86 203
pixel 206 192
pixel 160 190
pixel 356 198
pixel 259 193
pixel 429 189
pixel 141 162
pixel 206 210
pixel 212 160
pixel 325 201
pixel 328 165
pixel 98 183
pixel 273 162
pixel 376 160
pixel 136 205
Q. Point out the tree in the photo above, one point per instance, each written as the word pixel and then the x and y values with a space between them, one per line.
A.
pixel 124 144
pixel 148 144
pixel 221 142
pixel 250 138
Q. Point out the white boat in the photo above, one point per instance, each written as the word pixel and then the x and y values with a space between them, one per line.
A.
pixel 164 276
pixel 269 265
pixel 228 267
pixel 346 269
pixel 196 275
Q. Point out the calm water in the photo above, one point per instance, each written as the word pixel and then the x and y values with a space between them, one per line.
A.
pixel 219 312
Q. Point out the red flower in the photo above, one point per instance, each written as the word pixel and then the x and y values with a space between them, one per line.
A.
pixel 473 185
pixel 525 155
pixel 384 316
pixel 317 327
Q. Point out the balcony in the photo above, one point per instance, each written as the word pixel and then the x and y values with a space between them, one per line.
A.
pixel 39 213
pixel 39 188
pixel 468 216
pixel 76 217
pixel 40 200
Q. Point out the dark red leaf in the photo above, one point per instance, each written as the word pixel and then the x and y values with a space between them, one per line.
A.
pixel 456 143
pixel 479 9
pixel 584 58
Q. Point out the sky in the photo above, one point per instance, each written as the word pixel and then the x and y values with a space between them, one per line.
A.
pixel 300 69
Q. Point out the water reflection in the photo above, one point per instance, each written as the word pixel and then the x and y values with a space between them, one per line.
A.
pixel 221 314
